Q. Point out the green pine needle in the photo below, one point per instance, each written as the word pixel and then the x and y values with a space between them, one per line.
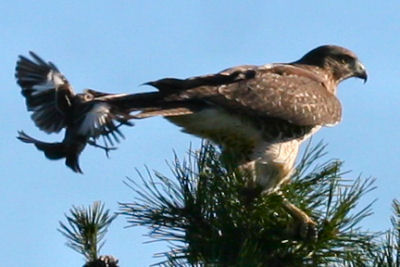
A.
pixel 389 253
pixel 210 216
pixel 85 229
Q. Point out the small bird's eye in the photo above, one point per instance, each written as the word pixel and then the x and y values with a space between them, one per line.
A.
pixel 88 97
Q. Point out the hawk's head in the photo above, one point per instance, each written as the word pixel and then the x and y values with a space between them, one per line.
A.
pixel 341 62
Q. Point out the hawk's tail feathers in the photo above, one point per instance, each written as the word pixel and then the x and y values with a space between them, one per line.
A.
pixel 136 102
pixel 166 112
pixel 168 84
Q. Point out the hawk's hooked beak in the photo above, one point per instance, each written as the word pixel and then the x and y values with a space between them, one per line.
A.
pixel 360 71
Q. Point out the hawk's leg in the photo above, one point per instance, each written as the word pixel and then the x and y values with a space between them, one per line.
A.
pixel 273 166
pixel 307 228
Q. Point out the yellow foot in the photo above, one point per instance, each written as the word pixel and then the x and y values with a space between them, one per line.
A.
pixel 306 227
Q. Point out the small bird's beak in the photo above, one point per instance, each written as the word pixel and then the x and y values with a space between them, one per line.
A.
pixel 360 71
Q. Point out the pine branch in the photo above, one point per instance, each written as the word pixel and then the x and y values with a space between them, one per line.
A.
pixel 85 230
pixel 210 217
pixel 389 254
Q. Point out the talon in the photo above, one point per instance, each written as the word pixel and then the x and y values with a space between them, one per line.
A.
pixel 306 227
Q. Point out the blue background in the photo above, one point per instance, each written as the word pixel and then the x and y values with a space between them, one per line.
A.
pixel 115 46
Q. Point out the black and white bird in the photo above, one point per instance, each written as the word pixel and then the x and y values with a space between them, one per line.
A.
pixel 55 106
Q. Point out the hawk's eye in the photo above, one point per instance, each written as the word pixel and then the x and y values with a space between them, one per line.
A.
pixel 344 59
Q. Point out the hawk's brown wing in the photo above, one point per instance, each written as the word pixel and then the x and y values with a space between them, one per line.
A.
pixel 282 91
pixel 46 91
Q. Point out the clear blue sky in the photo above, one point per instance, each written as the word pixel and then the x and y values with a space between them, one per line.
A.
pixel 117 45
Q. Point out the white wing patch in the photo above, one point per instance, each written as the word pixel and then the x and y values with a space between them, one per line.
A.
pixel 95 119
pixel 53 80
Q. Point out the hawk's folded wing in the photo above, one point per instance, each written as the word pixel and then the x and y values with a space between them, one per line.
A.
pixel 280 91
pixel 100 119
pixel 283 91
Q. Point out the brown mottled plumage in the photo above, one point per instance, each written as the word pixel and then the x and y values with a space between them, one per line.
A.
pixel 260 113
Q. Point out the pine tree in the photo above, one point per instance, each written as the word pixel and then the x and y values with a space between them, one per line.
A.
pixel 85 230
pixel 211 218
pixel 389 248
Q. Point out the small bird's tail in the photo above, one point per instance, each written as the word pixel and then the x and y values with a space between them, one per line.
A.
pixel 72 161
pixel 53 151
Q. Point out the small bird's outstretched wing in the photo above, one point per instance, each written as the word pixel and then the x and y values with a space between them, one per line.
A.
pixel 102 119
pixel 47 92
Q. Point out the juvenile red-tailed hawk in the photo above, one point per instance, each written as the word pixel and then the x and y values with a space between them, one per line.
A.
pixel 261 114
pixel 258 114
